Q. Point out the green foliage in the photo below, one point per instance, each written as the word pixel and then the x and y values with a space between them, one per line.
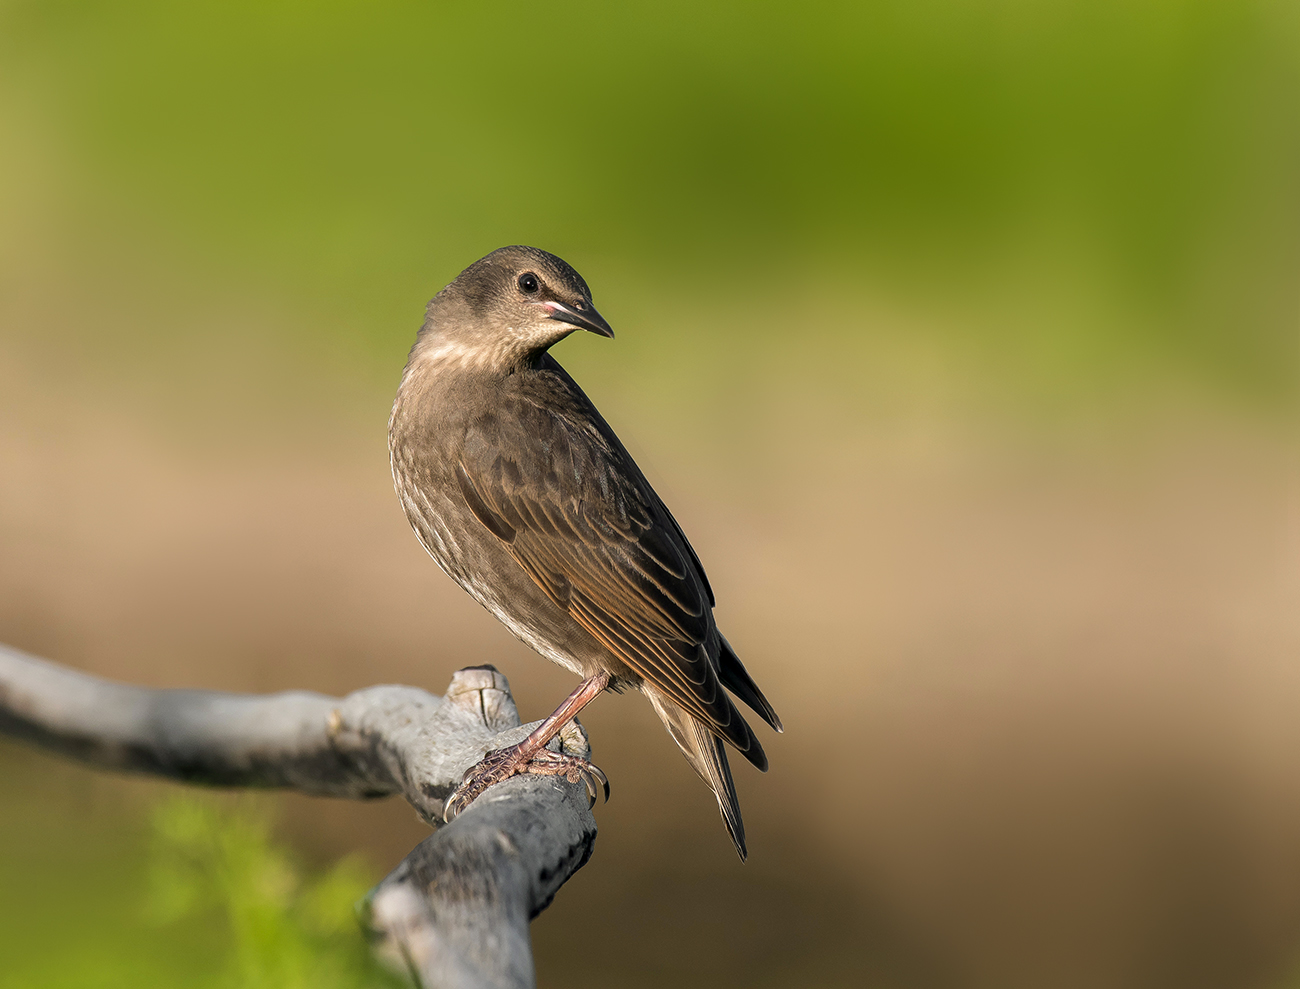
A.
pixel 1064 186
pixel 286 928
pixel 199 896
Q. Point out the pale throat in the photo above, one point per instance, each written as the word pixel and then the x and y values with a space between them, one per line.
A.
pixel 508 348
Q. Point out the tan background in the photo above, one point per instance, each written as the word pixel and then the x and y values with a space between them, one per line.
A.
pixel 1003 514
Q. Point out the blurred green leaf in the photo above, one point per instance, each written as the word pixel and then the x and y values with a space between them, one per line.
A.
pixel 287 928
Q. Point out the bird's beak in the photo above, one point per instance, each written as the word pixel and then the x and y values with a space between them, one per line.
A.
pixel 580 314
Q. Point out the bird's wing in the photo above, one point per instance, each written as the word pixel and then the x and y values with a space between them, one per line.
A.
pixel 575 512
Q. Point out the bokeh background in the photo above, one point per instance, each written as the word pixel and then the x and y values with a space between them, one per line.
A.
pixel 961 336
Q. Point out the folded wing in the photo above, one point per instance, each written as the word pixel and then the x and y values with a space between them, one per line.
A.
pixel 575 512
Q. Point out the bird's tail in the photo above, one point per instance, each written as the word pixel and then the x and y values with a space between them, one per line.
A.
pixel 736 678
pixel 707 756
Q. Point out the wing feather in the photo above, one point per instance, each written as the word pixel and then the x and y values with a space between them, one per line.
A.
pixel 582 522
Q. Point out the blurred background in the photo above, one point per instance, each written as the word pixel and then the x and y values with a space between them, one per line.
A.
pixel 960 335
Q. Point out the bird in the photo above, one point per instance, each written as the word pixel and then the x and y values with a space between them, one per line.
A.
pixel 521 492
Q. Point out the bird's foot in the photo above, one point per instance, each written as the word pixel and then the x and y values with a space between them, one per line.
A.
pixel 499 765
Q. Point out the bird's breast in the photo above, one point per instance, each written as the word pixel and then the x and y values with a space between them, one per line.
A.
pixel 476 560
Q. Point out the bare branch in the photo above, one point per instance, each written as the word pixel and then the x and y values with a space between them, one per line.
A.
pixel 456 911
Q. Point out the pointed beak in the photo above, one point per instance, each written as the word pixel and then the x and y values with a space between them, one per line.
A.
pixel 580 314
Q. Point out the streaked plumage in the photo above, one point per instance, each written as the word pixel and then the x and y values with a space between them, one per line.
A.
pixel 522 493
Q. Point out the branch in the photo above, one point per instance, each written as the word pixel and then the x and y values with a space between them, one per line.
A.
pixel 456 911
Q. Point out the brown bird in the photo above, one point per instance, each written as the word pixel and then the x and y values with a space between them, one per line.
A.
pixel 524 496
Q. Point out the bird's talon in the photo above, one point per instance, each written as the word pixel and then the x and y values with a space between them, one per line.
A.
pixel 502 764
pixel 449 809
pixel 594 775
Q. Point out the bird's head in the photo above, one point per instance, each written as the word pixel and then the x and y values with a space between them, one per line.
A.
pixel 506 309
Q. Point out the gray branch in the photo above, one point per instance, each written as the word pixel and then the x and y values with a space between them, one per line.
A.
pixel 455 913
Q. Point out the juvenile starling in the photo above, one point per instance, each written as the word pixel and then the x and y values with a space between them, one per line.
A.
pixel 524 496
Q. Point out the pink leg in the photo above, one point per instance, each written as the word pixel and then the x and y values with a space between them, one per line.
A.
pixel 532 756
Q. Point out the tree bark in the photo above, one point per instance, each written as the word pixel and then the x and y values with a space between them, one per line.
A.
pixel 455 912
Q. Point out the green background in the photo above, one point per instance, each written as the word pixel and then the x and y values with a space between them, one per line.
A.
pixel 1043 233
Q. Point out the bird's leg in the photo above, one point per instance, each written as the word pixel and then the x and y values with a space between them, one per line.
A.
pixel 532 756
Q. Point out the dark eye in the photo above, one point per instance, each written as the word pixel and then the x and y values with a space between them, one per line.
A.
pixel 528 283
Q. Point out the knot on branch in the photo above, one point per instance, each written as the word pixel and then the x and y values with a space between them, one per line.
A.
pixel 402 739
pixel 455 912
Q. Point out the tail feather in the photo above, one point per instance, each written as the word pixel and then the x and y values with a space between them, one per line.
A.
pixel 708 756
pixel 742 736
pixel 736 678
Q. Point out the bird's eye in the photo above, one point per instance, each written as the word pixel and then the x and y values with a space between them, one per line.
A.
pixel 528 283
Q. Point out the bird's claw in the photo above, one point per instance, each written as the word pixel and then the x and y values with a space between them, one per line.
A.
pixel 590 776
pixel 573 769
pixel 500 765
